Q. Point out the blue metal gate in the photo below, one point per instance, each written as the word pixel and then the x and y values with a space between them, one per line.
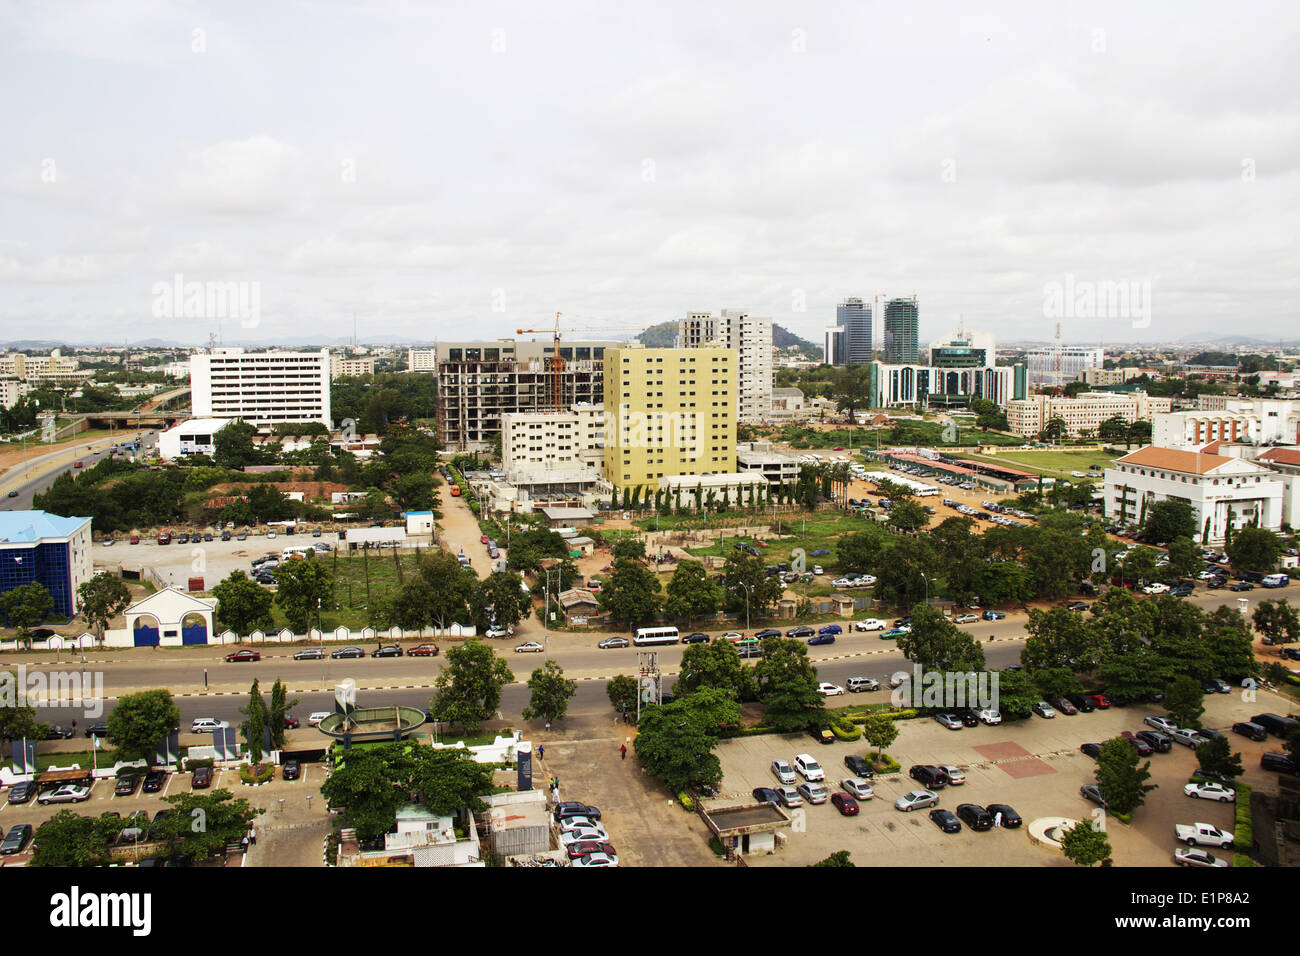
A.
pixel 146 637
pixel 195 634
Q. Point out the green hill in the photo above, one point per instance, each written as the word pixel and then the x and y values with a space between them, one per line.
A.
pixel 664 335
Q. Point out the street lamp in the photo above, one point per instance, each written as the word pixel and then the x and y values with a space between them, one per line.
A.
pixel 927 587
pixel 746 587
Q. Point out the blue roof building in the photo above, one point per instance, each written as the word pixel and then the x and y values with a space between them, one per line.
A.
pixel 36 546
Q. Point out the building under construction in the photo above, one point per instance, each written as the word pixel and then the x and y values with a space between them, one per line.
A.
pixel 478 382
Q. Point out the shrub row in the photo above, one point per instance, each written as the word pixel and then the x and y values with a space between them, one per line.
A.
pixel 687 803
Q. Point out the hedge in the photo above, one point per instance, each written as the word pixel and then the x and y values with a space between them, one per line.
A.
pixel 884 763
pixel 845 730
pixel 687 803
pixel 1240 859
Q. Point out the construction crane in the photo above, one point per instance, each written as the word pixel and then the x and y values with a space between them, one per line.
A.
pixel 555 386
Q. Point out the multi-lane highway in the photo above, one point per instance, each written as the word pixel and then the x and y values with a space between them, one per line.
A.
pixel 38 473
pixel 408 680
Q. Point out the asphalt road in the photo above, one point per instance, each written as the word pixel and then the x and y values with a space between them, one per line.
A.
pixel 407 680
pixel 40 472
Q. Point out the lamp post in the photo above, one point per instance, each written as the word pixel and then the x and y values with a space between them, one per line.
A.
pixel 746 587
pixel 927 588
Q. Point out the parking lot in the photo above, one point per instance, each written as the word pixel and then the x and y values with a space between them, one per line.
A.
pixel 1034 766
pixel 290 832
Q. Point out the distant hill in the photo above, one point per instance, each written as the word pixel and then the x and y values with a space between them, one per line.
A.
pixel 664 334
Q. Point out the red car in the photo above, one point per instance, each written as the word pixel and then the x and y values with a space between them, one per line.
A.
pixel 202 778
pixel 244 655
pixel 423 650
pixel 579 850
pixel 483 539
pixel 1144 749
pixel 845 804
pixel 1100 701
pixel 291 722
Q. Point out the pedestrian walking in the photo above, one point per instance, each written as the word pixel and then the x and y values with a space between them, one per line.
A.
pixel 541 751
pixel 548 726
pixel 623 750
pixel 997 819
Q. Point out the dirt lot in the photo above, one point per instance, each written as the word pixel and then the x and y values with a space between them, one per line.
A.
pixel 645 825
pixel 1035 766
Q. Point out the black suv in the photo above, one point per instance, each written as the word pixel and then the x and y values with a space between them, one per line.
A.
pixel 930 777
pixel 291 769
pixel 1281 763
pixel 975 816
pixel 1156 740
pixel 1083 703
pixel 154 780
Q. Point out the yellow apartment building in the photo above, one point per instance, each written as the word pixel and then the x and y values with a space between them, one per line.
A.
pixel 669 412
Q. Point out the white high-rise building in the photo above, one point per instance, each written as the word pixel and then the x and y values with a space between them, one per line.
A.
pixel 261 387
pixel 751 337
pixel 422 360
pixel 1041 363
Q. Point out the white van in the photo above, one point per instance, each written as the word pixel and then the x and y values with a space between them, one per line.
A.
pixel 1275 580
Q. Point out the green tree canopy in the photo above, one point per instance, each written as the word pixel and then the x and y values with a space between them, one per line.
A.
pixel 549 693
pixel 243 605
pixel 140 722
pixel 469 685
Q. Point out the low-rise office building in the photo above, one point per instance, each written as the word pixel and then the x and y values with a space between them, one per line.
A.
pixel 41 548
pixel 1084 413
pixel 194 437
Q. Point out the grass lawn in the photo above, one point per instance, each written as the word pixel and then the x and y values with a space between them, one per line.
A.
pixel 1057 462
pixel 350 573
pixel 812 532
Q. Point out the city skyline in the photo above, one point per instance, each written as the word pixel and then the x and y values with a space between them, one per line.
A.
pixel 157 144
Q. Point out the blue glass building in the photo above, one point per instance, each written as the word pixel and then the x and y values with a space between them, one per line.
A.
pixel 54 551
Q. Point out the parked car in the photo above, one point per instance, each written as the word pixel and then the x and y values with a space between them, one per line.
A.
pixel 427 649
pixel 1203 834
pixel 1090 750
pixel 309 654
pixel 975 816
pixel 97 729
pixel 871 624
pixel 1279 763
pixel 579 850
pixel 291 722
pixel 292 769
pixel 765 795
pixel 803 630
pixel 956 776
pixel 570 809
pixel 1159 742
pixel 1010 819
pixel 16 839
pixel 993 615
pixel 1250 730
pixel 765 633
pixel 22 791
pixel 1090 791
pixel 859 766
pixel 857 685
pixel 1043 709
pixel 989 716
pixel 858 787
pixel 388 650
pixel 205 725
pixel 1100 701
pixel 58 732
pixel 830 690
pixel 1081 701
pixel 813 793
pixel 202 778
pixel 945 820
pixel 783 772
pixel 916 800
pixel 68 793
pixel 845 803
pixel 154 780
pixel 1190 856
pixel 1077 606
pixel 808 768
pixel 698 637
pixel 1210 791
pixel 951 721
pixel 1143 748
pixel 965 618
pixel 789 797
pixel 1187 737
pixel 529 647
pixel 928 776
pixel 1065 707
pixel 343 653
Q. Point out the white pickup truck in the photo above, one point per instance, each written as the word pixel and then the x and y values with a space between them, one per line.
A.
pixel 1202 834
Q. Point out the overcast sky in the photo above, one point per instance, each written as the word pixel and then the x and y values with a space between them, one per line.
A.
pixel 458 170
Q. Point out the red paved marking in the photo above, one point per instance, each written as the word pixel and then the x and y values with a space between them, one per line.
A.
pixel 1025 768
pixel 1002 751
